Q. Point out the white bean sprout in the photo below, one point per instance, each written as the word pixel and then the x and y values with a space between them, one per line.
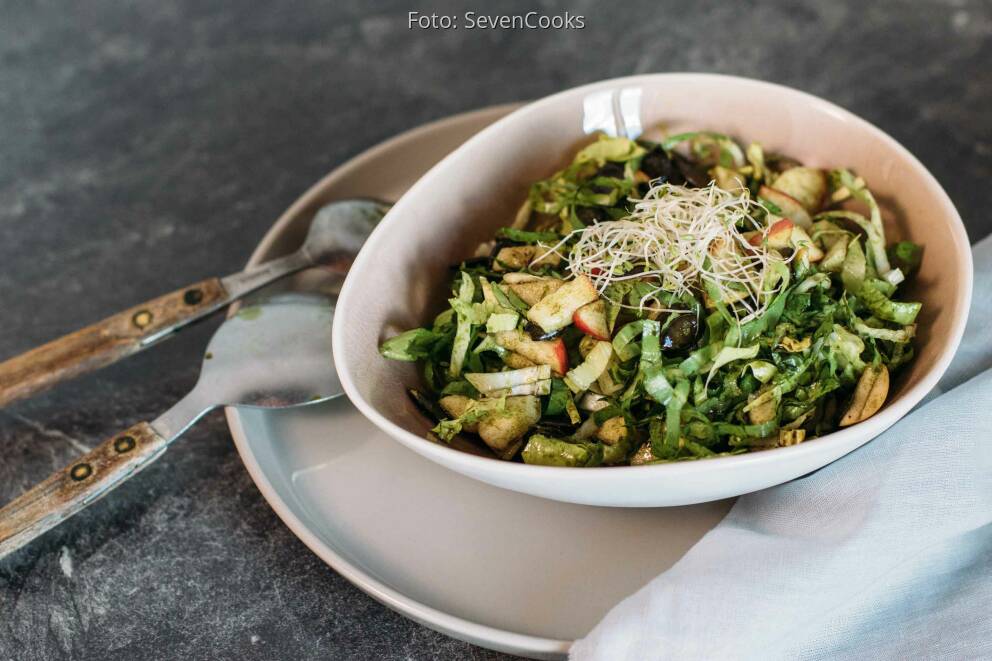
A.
pixel 683 240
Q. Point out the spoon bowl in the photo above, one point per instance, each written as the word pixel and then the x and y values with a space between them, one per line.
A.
pixel 273 355
pixel 339 229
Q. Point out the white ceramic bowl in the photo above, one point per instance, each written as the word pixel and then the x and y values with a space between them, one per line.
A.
pixel 400 279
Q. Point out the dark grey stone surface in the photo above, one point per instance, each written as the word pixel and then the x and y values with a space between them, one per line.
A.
pixel 144 145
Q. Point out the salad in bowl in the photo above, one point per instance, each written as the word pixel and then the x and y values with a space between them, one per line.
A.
pixel 658 302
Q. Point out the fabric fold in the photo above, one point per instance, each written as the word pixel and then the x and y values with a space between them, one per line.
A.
pixel 884 554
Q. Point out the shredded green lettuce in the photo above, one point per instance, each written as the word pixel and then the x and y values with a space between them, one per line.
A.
pixel 410 346
pixel 610 149
pixel 523 236
pixel 466 315
pixel 546 451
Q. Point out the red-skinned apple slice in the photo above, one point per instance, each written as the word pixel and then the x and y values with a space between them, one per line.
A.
pixel 800 240
pixel 789 206
pixel 544 352
pixel 808 186
pixel 591 320
pixel 779 235
pixel 786 234
pixel 555 310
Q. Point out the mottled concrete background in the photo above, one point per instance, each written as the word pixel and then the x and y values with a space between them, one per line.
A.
pixel 147 144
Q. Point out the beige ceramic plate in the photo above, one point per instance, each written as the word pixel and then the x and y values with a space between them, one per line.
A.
pixel 496 568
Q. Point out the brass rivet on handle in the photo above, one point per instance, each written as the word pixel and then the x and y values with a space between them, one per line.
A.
pixel 192 296
pixel 142 318
pixel 80 472
pixel 124 444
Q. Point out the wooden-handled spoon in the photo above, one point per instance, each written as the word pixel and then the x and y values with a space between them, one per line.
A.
pixel 274 355
pixel 336 234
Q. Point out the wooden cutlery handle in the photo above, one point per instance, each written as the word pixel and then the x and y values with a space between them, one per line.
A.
pixel 77 485
pixel 104 342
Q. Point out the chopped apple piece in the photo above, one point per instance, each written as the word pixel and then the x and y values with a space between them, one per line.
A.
pixel 778 237
pixel 455 406
pixel 613 431
pixel 555 310
pixel 515 361
pixel 801 241
pixel 789 206
pixel 791 436
pixel 834 259
pixel 503 429
pixel 591 320
pixel 520 257
pixel 763 409
pixel 808 186
pixel 532 291
pixel 728 179
pixel 869 395
pixel 786 234
pixel 542 352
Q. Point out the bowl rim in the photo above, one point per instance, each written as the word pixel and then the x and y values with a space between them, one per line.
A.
pixel 856 434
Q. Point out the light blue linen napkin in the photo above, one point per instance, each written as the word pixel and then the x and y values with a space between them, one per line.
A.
pixel 884 554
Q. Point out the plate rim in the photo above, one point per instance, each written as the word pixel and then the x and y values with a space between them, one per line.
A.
pixel 452 625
